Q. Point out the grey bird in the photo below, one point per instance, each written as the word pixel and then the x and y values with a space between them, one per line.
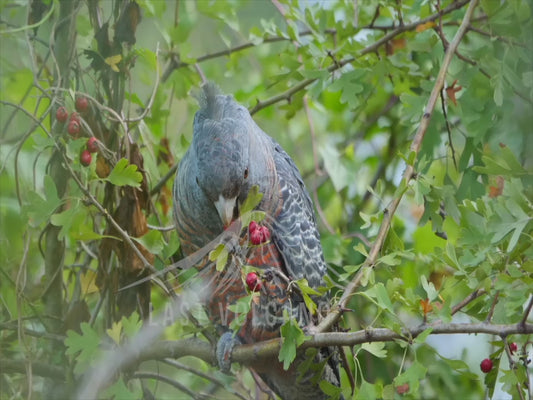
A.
pixel 229 155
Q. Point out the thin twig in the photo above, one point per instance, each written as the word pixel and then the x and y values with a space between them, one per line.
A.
pixel 166 379
pixel 171 172
pixel 527 311
pixel 467 300
pixel 492 307
pixel 202 374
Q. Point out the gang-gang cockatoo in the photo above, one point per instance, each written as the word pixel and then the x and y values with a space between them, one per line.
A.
pixel 228 156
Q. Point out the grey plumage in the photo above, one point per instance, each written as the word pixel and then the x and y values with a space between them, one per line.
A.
pixel 228 155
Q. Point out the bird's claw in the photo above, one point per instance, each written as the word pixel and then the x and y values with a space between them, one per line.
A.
pixel 224 349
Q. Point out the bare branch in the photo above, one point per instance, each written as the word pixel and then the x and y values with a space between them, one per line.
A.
pixel 39 368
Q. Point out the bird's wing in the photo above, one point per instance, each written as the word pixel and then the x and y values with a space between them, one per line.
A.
pixel 295 232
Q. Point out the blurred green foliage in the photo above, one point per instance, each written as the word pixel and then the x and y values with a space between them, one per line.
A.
pixel 342 86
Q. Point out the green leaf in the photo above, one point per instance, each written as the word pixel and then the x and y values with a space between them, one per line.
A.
pixel 429 288
pixel 119 390
pixel 222 259
pixel 375 348
pixel 460 366
pixel 252 200
pixel 379 294
pixel 390 259
pixel 307 291
pixel 131 325
pixel 87 345
pixel 292 336
pixel 367 391
pixel 333 392
pixel 338 172
pixel 413 376
pixel 66 220
pixel 510 218
pixel 220 254
pixel 422 337
pixel 153 241
pixel 38 209
pixel 125 174
pixel 350 85
pixel 115 331
pixel 241 308
pixel 504 163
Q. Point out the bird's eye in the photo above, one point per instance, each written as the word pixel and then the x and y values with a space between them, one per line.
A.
pixel 246 173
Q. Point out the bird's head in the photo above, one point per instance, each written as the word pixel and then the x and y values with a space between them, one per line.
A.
pixel 223 169
pixel 226 167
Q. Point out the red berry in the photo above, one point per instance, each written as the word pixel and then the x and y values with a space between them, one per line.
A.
pixel 266 234
pixel 253 282
pixel 513 347
pixel 256 237
pixel 75 117
pixel 85 158
pixel 73 128
pixel 61 114
pixel 486 365
pixel 92 144
pixel 82 103
pixel 252 227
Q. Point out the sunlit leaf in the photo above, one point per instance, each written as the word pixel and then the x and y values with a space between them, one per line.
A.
pixel 124 174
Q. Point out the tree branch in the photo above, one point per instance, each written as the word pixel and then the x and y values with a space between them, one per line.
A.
pixel 252 353
pixel 43 369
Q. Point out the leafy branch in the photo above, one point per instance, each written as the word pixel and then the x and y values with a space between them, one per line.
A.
pixel 409 172
pixel 250 353
pixel 287 95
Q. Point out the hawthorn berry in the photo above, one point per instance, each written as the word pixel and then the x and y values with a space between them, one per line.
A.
pixel 486 365
pixel 82 103
pixel 253 282
pixel 256 237
pixel 513 347
pixel 73 128
pixel 252 227
pixel 92 144
pixel 85 158
pixel 61 114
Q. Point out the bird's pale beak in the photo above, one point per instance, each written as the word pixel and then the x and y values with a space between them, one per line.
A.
pixel 225 208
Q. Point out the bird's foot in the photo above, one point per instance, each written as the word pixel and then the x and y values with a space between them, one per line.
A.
pixel 225 346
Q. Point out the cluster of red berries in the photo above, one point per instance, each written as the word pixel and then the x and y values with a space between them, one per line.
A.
pixel 253 282
pixel 258 233
pixel 74 123
pixel 91 147
pixel 487 364
pixel 74 127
